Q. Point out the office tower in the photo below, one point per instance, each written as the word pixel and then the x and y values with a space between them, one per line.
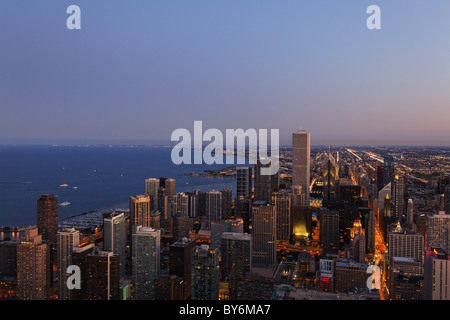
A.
pixel 358 242
pixel 436 275
pixel 406 244
pixel 236 256
pixel 243 181
pixel 330 176
pixel 283 207
pixel 387 190
pixel 264 228
pixel 301 147
pixel 438 231
pixel 398 196
pixel 218 228
pixel 213 207
pixel 388 170
pixel 370 232
pixel 68 239
pixel 349 274
pixel 115 236
pixel 443 181
pixel 155 219
pixel 301 222
pixel 170 187
pixel 406 279
pixel 151 189
pixel 182 225
pixel 329 231
pixel 242 208
pixel 162 182
pixel 79 258
pixel 263 183
pixel 32 264
pixel 297 196
pixel 348 193
pixel 410 212
pixel 180 263
pixel 8 258
pixel 380 181
pixel 193 205
pixel 227 203
pixel 103 282
pixel 447 199
pixel 47 217
pixel 146 244
pixel 205 273
pixel 181 201
pixel 140 211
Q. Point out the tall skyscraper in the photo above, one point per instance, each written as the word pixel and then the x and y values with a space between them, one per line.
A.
pixel 103 282
pixel 436 275
pixel 298 196
pixel 227 203
pixel 447 199
pixel 180 262
pixel 151 189
pixel 115 236
pixel 243 181
pixel 182 225
pixel 170 187
pixel 236 251
pixel 205 273
pixel 32 263
pixel 301 148
pixel 140 211
pixel 438 231
pixel 398 195
pixel 146 244
pixel 68 239
pixel 263 183
pixel 330 176
pixel 388 170
pixel 410 212
pixel 283 207
pixel 181 201
pixel 406 244
pixel 329 231
pixel 47 217
pixel 79 258
pixel 264 229
pixel 370 232
pixel 213 207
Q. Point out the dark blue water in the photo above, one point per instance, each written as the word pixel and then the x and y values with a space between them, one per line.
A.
pixel 104 176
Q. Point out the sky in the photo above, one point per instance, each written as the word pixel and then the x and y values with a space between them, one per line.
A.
pixel 137 70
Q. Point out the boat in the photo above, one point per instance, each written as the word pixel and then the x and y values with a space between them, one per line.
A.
pixel 75 187
pixel 63 185
pixel 64 204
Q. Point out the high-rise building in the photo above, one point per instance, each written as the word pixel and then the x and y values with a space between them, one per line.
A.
pixel 406 244
pixel 145 268
pixel 388 170
pixel 301 147
pixel 68 239
pixel 438 231
pixel 140 211
pixel 236 251
pixel 169 287
pixel 349 274
pixel 410 212
pixel 443 181
pixel 213 207
pixel 283 207
pixel 103 282
pixel 218 228
pixel 151 189
pixel 79 258
pixel 242 209
pixel 170 187
pixel 406 279
pixel 243 181
pixel 115 236
pixel 32 263
pixel 181 201
pixel 329 231
pixel 182 225
pixel 180 263
pixel 398 195
pixel 297 196
pixel 47 217
pixel 358 242
pixel 263 183
pixel 447 199
pixel 205 273
pixel 227 203
pixel 436 275
pixel 330 176
pixel 8 261
pixel 264 228
pixel 370 232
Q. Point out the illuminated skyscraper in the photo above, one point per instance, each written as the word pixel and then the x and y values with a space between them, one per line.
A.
pixel 47 217
pixel 283 207
pixel 103 282
pixel 213 207
pixel 32 263
pixel 243 181
pixel 140 211
pixel 264 234
pixel 398 195
pixel 436 275
pixel 329 231
pixel 170 187
pixel 236 251
pixel 388 170
pixel 180 262
pixel 330 176
pixel 301 148
pixel 68 239
pixel 115 236
pixel 205 273
pixel 438 231
pixel 151 189
pixel 263 183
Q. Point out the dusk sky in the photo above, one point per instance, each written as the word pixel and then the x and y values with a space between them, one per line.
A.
pixel 137 70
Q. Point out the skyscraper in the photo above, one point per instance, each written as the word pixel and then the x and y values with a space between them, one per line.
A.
pixel 115 236
pixel 79 258
pixel 140 211
pixel 283 207
pixel 329 231
pixel 103 282
pixel 181 201
pixel 436 275
pixel 205 273
pixel 170 187
pixel 243 181
pixel 330 176
pixel 47 217
pixel 227 203
pixel 213 207
pixel 264 234
pixel 447 199
pixel 406 244
pixel 32 264
pixel 68 239
pixel 398 195
pixel 438 231
pixel 236 251
pixel 263 183
pixel 151 189
pixel 301 148
pixel 388 170
pixel 180 262
pixel 146 244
